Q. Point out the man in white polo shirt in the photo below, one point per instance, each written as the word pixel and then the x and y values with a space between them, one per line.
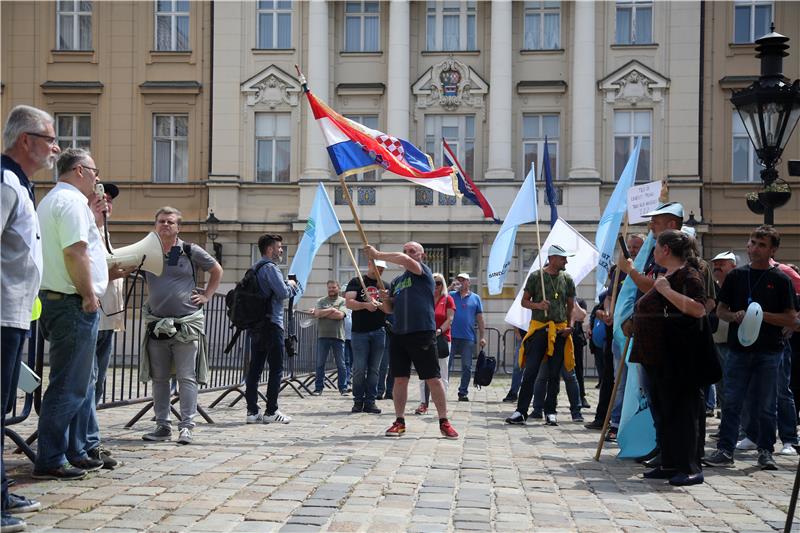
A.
pixel 75 276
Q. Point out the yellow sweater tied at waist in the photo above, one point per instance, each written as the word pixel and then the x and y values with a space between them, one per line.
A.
pixel 552 329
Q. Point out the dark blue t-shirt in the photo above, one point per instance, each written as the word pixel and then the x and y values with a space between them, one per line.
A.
pixel 413 302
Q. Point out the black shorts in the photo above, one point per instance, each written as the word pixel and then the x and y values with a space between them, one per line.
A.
pixel 419 348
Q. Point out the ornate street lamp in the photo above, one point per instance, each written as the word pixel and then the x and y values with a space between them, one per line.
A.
pixel 770 109
pixel 212 229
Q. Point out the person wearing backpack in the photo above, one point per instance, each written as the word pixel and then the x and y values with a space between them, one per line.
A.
pixel 267 340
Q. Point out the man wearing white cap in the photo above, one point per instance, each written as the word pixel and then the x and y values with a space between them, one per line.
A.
pixel 722 263
pixel 754 359
pixel 549 333
pixel 368 337
pixel 469 311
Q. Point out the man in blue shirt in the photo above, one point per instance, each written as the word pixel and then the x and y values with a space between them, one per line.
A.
pixel 267 341
pixel 469 310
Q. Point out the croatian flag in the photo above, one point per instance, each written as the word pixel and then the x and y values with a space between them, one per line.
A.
pixel 354 148
pixel 465 184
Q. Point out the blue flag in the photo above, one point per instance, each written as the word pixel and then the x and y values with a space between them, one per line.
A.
pixel 637 434
pixel 608 228
pixel 548 186
pixel 523 210
pixel 322 223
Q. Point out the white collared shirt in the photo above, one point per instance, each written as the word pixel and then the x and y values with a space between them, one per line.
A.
pixel 65 218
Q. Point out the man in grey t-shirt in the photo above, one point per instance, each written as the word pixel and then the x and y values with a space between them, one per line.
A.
pixel 176 326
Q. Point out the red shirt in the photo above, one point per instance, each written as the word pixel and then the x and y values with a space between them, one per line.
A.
pixel 440 312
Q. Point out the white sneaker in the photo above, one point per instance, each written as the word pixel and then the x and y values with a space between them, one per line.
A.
pixel 254 419
pixel 746 444
pixel 185 436
pixel 787 449
pixel 550 420
pixel 278 418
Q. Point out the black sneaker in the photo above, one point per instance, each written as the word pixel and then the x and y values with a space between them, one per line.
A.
pixel 765 460
pixel 463 398
pixel 161 433
pixel 720 458
pixel 517 419
pixel 585 404
pixel 372 408
pixel 12 524
pixel 109 463
pixel 88 464
pixel 64 472
pixel 594 424
pixel 577 417
pixel 510 398
pixel 537 414
pixel 358 407
pixel 388 396
pixel 551 420
pixel 21 504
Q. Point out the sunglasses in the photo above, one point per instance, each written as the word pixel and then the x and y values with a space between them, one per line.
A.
pixel 50 139
pixel 439 283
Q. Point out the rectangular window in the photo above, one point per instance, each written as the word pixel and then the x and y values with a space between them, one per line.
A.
pixel 74 25
pixel 172 25
pixel 542 25
pixel 534 130
pixel 362 26
pixel 745 164
pixel 751 20
pixel 458 131
pixel 274 24
pixel 344 264
pixel 370 121
pixel 273 142
pixel 451 25
pixel 73 131
pixel 628 126
pixel 634 21
pixel 527 255
pixel 170 148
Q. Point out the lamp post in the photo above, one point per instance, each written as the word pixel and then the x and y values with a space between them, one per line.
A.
pixel 212 228
pixel 770 109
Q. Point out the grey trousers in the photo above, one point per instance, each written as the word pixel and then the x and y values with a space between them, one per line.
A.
pixel 166 355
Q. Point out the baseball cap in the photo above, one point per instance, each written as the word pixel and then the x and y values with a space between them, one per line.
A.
pixel 725 256
pixel 557 250
pixel 111 189
pixel 463 275
pixel 380 263
pixel 670 208
pixel 688 230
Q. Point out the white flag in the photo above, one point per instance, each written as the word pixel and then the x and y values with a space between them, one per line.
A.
pixel 586 256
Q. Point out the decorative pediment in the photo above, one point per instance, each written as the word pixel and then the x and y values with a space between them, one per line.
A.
pixel 450 84
pixel 634 83
pixel 272 87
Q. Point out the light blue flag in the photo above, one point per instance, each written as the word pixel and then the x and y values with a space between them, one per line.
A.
pixel 523 210
pixel 637 434
pixel 322 223
pixel 608 228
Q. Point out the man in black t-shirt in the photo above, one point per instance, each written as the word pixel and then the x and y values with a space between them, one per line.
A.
pixel 368 337
pixel 758 363
pixel 410 300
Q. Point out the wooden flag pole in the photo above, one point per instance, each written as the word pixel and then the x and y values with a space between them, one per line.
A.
pixel 355 263
pixel 615 288
pixel 347 197
pixel 611 400
pixel 539 245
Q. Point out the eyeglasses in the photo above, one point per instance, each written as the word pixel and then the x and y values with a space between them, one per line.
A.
pixel 439 283
pixel 50 140
pixel 94 170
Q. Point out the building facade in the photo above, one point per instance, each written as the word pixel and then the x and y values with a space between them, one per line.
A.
pixel 199 105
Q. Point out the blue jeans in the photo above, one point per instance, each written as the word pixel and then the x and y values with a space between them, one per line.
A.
pixel 742 369
pixel 266 347
pixel 325 345
pixel 710 395
pixel 11 343
pixel 385 377
pixel 368 348
pixel 464 348
pixel 616 412
pixel 785 409
pixel 103 354
pixel 516 374
pixel 540 389
pixel 68 403
pixel 348 360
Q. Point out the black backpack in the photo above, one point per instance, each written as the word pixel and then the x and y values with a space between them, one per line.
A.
pixel 484 370
pixel 246 305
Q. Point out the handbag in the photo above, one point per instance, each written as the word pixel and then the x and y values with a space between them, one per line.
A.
pixel 707 363
pixel 442 349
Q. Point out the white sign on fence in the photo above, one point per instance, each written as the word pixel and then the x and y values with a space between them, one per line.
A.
pixel 642 199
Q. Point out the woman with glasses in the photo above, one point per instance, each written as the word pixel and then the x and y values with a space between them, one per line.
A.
pixel 444 311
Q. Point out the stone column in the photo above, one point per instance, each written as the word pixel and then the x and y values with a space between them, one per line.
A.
pixel 316 157
pixel 500 93
pixel 398 89
pixel 583 94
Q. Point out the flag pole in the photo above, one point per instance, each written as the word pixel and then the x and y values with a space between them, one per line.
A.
pixel 539 240
pixel 615 288
pixel 611 400
pixel 353 259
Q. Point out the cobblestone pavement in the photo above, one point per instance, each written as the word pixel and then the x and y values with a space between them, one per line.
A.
pixel 335 471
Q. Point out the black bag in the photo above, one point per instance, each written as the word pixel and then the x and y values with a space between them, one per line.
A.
pixel 441 347
pixel 246 305
pixel 484 370
pixel 708 368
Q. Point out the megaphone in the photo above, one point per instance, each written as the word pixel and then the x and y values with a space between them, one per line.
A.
pixel 148 252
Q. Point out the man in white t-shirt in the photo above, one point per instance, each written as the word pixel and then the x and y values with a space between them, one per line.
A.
pixel 75 277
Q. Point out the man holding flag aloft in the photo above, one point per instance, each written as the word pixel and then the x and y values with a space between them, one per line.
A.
pixel 550 295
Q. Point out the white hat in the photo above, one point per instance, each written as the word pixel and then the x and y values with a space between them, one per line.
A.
pixel 380 263
pixel 725 256
pixel 689 231
pixel 751 324
pixel 557 250
pixel 670 208
pixel 463 275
